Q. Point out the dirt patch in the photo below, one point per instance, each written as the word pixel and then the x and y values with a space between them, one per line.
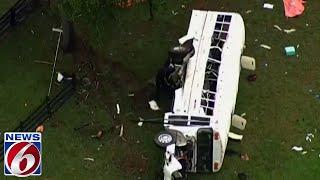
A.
pixel 131 162
pixel 103 73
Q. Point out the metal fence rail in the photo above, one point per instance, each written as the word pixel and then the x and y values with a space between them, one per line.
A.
pixel 16 14
pixel 42 113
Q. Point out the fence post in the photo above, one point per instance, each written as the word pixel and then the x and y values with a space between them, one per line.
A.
pixel 12 16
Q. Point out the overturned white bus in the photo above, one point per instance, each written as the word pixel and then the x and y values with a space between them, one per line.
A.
pixel 206 76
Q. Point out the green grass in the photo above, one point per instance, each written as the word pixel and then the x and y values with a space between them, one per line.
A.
pixel 275 103
pixel 5 5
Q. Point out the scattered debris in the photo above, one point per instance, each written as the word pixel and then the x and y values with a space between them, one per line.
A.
pixel 243 114
pixel 97 85
pixel 25 104
pixel 174 13
pixel 98 135
pixel 40 129
pixel 43 62
pixel 99 147
pixel 252 77
pixel 183 6
pixel 304 152
pixel 277 27
pixel 290 51
pixel 298 46
pixel 307 25
pixel 118 109
pixel 256 40
pixel 249 11
pixel 32 31
pixel 309 137
pixel 289 30
pixel 144 158
pixel 244 157
pixel 85 125
pixel 265 46
pixel 285 73
pixel 312 150
pixel 123 139
pixel 266 65
pixel 121 131
pixel 310 90
pixel 297 148
pixel 268 6
pixel 293 8
pixel 130 95
pixel 141 121
pixel 153 105
pixel 86 82
pixel 88 159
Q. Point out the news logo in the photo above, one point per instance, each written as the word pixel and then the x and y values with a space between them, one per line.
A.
pixel 22 154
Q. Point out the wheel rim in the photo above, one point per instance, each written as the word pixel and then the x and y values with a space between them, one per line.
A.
pixel 165 138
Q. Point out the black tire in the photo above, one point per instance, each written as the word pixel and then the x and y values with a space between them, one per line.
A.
pixel 67 37
pixel 164 139
pixel 179 52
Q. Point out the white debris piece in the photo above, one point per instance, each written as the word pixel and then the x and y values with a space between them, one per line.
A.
pixel 243 114
pixel 118 109
pixel 304 152
pixel 298 46
pixel 309 137
pixel 249 11
pixel 277 27
pixel 268 6
pixel 296 148
pixel 289 30
pixel 88 159
pixel 235 136
pixel 130 95
pixel 265 46
pixel 59 77
pixel 141 121
pixel 153 105
pixel 174 12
